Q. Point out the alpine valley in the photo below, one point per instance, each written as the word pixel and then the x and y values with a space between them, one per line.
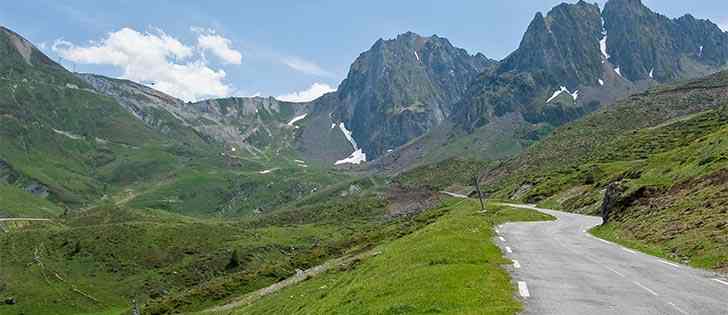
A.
pixel 116 198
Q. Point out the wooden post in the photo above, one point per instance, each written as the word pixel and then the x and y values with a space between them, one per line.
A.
pixel 476 181
pixel 135 310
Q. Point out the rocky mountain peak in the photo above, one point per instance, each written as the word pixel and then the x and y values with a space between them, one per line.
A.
pixel 402 87
pixel 17 46
pixel 564 45
pixel 648 45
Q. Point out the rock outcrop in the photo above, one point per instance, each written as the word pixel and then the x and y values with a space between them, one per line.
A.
pixel 612 197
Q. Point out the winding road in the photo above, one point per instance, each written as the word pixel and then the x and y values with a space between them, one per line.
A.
pixel 561 269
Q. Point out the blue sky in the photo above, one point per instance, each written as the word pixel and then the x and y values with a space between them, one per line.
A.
pixel 273 47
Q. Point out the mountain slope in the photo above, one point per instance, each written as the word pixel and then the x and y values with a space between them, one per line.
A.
pixel 656 161
pixel 59 136
pixel 257 126
pixel 664 49
pixel 69 145
pixel 594 137
pixel 586 52
pixel 572 61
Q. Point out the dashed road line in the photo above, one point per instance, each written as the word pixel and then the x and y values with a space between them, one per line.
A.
pixel 508 249
pixel 516 264
pixel 720 281
pixel 669 263
pixel 523 289
pixel 616 272
pixel 677 308
pixel 645 288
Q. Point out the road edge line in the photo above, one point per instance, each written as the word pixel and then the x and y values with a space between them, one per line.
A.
pixel 523 289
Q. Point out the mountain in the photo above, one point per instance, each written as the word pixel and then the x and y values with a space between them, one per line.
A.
pixel 74 141
pixel 578 58
pixel 398 90
pixel 61 139
pixel 259 127
pixel 572 61
pixel 644 44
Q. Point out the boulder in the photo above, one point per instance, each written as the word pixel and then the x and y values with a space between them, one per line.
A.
pixel 612 197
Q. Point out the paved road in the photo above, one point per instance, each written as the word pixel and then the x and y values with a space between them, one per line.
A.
pixel 560 269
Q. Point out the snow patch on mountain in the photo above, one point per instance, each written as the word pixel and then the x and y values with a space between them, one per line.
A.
pixel 356 157
pixel 268 171
pixel 297 118
pixel 603 46
pixel 563 89
pixel 67 134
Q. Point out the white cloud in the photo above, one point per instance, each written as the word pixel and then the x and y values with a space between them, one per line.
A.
pixel 155 58
pixel 306 66
pixel 312 93
pixel 209 40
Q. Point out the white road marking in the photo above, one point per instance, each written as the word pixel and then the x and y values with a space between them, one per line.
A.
pixel 603 241
pixel 516 264
pixel 669 263
pixel 645 288
pixel 502 239
pixel 677 308
pixel 523 289
pixel 508 249
pixel 628 250
pixel 617 272
pixel 720 281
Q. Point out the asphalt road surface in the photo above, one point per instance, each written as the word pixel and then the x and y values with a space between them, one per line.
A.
pixel 561 269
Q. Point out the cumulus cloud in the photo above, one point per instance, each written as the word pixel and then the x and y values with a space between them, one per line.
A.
pixel 209 40
pixel 306 66
pixel 315 91
pixel 158 59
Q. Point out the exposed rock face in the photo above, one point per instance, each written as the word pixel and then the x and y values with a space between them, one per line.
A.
pixel 542 80
pixel 24 49
pixel 7 174
pixel 564 46
pixel 401 88
pixel 577 59
pixel 641 42
pixel 522 191
pixel 612 197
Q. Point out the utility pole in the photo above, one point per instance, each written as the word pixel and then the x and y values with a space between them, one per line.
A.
pixel 135 308
pixel 476 183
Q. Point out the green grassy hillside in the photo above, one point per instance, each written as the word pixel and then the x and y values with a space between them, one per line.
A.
pixel 449 267
pixel 666 152
pixel 101 259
